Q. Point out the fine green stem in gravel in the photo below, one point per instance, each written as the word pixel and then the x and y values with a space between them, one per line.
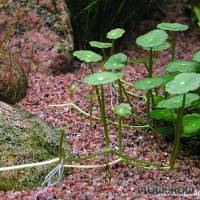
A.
pixel 173 51
pixel 120 91
pixel 178 131
pixel 103 117
pixel 120 135
pixel 97 118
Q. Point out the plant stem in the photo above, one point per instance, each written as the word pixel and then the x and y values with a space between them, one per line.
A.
pixel 91 117
pixel 103 117
pixel 120 91
pixel 150 63
pixel 148 104
pixel 97 118
pixel 113 47
pixel 62 133
pixel 120 135
pixel 173 53
pixel 126 95
pixel 178 131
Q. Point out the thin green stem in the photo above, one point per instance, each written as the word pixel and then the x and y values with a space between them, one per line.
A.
pixel 113 47
pixel 97 118
pixel 178 131
pixel 148 104
pixel 120 91
pixel 120 135
pixel 150 70
pixel 126 95
pixel 91 113
pixel 128 92
pixel 103 118
pixel 173 53
pixel 126 157
pixel 62 133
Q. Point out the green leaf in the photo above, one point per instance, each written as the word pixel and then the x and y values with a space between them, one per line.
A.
pixel 115 33
pixel 191 125
pixel 183 66
pixel 116 61
pixel 172 26
pixel 87 56
pixel 162 47
pixel 196 104
pixel 183 83
pixel 151 83
pixel 176 101
pixel 100 45
pixel 152 39
pixel 196 56
pixel 101 78
pixel 163 114
pixel 122 110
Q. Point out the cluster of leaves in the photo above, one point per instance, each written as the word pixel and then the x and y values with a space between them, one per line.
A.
pixel 178 105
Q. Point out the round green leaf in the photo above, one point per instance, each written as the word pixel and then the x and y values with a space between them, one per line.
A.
pixel 162 47
pixel 151 83
pixel 176 101
pixel 123 110
pixel 115 33
pixel 101 78
pixel 191 125
pixel 152 39
pixel 172 26
pixel 87 56
pixel 163 114
pixel 116 61
pixel 196 56
pixel 183 83
pixel 183 66
pixel 100 45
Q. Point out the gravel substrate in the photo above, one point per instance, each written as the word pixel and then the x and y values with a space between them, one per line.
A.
pixel 125 181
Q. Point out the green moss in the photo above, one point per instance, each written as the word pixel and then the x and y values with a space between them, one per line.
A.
pixel 25 139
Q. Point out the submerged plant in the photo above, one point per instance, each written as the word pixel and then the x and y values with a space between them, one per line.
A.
pixel 173 28
pixel 100 79
pixel 121 110
pixel 181 86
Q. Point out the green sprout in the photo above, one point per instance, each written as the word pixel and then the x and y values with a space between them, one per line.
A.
pixel 73 88
pixel 121 110
pixel 117 62
pixel 100 79
pixel 182 66
pixel 113 35
pixel 173 28
pixel 182 84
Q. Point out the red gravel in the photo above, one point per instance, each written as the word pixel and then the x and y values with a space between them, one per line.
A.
pixel 143 144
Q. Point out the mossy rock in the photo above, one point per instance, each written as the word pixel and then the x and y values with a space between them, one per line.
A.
pixel 25 139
